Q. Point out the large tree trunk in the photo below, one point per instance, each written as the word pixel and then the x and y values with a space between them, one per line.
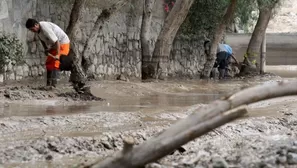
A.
pixel 165 39
pixel 77 77
pixel 145 37
pixel 100 21
pixel 253 50
pixel 197 124
pixel 208 66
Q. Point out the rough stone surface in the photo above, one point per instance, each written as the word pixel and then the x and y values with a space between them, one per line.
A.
pixel 113 51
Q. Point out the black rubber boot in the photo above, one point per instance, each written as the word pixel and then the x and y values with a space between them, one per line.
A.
pixel 54 82
pixel 48 78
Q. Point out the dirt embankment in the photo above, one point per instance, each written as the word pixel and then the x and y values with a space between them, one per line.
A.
pixel 265 138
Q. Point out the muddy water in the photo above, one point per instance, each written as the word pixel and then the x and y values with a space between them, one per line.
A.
pixel 112 104
pixel 285 71
pixel 148 113
pixel 147 103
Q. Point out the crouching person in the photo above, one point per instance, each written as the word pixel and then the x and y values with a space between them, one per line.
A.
pixel 56 45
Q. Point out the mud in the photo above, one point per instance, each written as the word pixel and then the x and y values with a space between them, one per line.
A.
pixel 57 128
pixel 27 93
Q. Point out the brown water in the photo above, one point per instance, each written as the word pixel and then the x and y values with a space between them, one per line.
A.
pixel 128 104
pixel 150 103
pixel 284 71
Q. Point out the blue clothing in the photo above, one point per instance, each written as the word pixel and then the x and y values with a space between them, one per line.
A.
pixel 228 49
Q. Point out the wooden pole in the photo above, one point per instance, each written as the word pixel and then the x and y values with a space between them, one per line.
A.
pixel 263 56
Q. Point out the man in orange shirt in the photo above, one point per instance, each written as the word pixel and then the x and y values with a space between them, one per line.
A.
pixel 55 42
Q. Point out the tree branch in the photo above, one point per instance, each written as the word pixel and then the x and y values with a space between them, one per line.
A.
pixel 204 120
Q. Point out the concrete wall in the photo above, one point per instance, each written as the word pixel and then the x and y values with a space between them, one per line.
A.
pixel 115 50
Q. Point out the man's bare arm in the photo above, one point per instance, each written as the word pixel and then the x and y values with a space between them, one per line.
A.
pixel 44 47
pixel 56 46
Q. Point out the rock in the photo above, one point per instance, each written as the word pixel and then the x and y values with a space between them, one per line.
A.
pixel 282 152
pixel 122 78
pixel 107 145
pixel 292 158
pixel 219 163
pixel 49 157
pixel 293 149
pixel 154 165
pixel 264 165
pixel 281 160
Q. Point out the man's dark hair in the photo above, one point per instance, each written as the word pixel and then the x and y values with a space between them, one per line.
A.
pixel 31 23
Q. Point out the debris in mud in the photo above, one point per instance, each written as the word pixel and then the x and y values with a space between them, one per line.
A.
pixel 49 157
pixel 43 93
pixel 50 148
pixel 253 76
pixel 22 93
pixel 85 95
pixel 219 162
pixel 123 78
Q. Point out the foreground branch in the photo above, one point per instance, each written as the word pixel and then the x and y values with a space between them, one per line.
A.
pixel 204 120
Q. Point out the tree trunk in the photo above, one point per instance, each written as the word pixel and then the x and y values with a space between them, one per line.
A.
pixel 74 17
pixel 263 56
pixel 204 120
pixel 253 50
pixel 208 66
pixel 145 37
pixel 165 39
pixel 77 74
pixel 100 21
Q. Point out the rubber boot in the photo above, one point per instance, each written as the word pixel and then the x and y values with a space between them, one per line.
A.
pixel 48 82
pixel 55 76
pixel 221 73
pixel 48 78
pixel 54 83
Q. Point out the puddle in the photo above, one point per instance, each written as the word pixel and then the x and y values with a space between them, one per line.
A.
pixel 8 110
pixel 128 104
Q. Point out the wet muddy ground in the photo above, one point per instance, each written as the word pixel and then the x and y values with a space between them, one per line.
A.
pixel 58 128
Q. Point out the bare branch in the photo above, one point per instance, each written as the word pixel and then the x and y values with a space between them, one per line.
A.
pixel 204 120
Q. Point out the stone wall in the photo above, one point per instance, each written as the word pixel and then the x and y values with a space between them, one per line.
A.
pixel 115 50
pixel 187 57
